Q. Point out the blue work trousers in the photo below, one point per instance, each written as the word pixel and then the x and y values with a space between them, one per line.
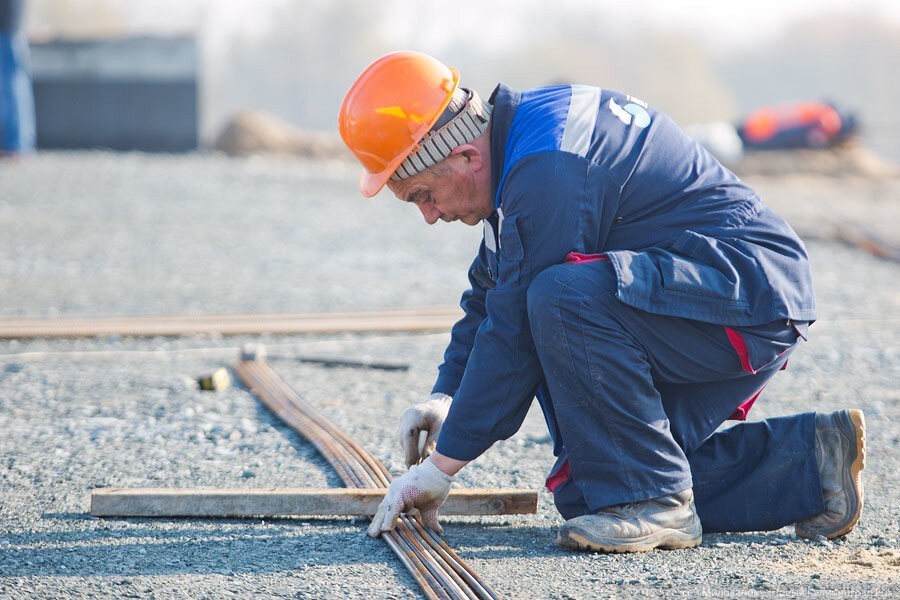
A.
pixel 17 122
pixel 634 400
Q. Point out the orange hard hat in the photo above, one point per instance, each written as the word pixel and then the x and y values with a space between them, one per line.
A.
pixel 390 107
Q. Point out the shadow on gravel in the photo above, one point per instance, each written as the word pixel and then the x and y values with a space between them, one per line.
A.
pixel 305 450
pixel 140 550
pixel 68 516
pixel 486 541
pixel 502 541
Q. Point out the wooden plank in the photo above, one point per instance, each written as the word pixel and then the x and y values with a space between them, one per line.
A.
pixel 436 318
pixel 202 502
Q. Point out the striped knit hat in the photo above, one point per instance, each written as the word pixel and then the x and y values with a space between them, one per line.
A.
pixel 462 122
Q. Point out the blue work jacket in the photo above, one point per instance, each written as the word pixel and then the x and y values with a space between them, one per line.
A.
pixel 580 169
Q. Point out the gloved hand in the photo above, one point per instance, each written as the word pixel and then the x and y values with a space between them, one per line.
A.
pixel 422 489
pixel 427 415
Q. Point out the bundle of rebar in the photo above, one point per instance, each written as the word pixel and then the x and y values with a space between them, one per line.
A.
pixel 435 566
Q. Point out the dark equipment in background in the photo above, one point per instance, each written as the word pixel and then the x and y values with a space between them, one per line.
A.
pixel 804 124
pixel 136 93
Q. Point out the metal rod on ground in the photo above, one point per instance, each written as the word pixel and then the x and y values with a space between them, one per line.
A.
pixel 284 394
pixel 363 460
pixel 323 432
pixel 364 364
pixel 438 573
pixel 428 584
pixel 308 422
pixel 247 372
pixel 478 583
pixel 461 576
pixel 442 572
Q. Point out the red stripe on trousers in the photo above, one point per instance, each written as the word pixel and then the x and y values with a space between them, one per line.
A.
pixel 578 257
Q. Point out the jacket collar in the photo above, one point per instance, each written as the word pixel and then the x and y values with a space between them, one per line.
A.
pixel 505 101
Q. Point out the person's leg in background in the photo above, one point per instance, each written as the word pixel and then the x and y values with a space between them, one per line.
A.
pixel 17 118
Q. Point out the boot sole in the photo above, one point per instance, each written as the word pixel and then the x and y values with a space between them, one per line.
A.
pixel 858 422
pixel 668 539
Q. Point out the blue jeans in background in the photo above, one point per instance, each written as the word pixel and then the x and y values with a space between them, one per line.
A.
pixel 17 123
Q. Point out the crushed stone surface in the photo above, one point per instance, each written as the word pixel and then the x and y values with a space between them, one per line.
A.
pixel 97 234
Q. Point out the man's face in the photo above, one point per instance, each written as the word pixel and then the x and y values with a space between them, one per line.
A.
pixel 454 190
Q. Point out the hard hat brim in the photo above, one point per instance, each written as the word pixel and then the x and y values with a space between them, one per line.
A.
pixel 371 183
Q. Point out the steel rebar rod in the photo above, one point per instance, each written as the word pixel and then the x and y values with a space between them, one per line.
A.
pixel 475 581
pixel 335 456
pixel 376 468
pixel 461 568
pixel 437 569
pixel 440 571
pixel 352 456
pixel 442 558
pixel 429 585
pixel 450 562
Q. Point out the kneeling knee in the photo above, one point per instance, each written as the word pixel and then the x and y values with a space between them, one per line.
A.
pixel 545 291
pixel 573 291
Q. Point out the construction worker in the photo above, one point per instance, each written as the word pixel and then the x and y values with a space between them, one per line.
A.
pixel 639 289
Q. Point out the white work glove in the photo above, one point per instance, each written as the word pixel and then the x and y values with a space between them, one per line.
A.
pixel 422 489
pixel 428 416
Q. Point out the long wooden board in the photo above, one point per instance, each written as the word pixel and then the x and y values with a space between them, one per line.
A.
pixel 436 318
pixel 180 502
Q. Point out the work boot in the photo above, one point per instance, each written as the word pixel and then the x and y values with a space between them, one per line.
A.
pixel 841 454
pixel 667 522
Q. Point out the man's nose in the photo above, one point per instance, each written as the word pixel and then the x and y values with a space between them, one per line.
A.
pixel 430 213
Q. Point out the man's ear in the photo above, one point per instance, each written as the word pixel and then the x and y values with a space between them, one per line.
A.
pixel 472 155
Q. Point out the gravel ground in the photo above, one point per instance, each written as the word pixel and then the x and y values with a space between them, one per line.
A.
pixel 102 234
